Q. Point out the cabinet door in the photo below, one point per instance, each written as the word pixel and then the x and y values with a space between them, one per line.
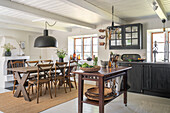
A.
pixel 135 78
pixel 160 78
pixel 147 77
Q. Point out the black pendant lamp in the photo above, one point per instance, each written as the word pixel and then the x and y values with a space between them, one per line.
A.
pixel 45 41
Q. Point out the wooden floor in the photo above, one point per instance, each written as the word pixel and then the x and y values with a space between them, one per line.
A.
pixel 137 103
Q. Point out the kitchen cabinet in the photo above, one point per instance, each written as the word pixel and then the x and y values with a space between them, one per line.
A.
pixel 160 77
pixel 135 77
pixel 127 37
pixel 146 77
pixel 149 78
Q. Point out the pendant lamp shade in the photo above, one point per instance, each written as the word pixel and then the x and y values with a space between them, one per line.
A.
pixel 45 41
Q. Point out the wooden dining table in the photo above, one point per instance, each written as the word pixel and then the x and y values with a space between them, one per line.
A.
pixel 103 75
pixel 26 71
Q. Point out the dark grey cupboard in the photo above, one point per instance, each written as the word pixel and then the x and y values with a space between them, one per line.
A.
pixel 149 78
pixel 127 37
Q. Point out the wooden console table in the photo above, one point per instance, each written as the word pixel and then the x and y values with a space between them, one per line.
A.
pixel 103 75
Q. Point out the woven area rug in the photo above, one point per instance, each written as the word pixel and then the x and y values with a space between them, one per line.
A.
pixel 11 104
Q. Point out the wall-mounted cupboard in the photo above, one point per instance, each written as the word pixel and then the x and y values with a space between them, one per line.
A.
pixel 127 37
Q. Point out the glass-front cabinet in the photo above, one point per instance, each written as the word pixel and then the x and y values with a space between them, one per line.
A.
pixel 116 37
pixel 127 37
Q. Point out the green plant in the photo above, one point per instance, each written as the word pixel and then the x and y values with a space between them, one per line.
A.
pixel 95 61
pixel 61 53
pixel 8 47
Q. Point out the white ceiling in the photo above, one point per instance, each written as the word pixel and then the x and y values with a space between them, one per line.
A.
pixel 64 8
pixel 166 5
pixel 124 9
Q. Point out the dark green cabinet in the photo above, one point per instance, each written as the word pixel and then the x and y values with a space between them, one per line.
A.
pixel 127 37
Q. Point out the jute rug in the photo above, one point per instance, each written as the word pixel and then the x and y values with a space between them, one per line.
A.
pixel 11 104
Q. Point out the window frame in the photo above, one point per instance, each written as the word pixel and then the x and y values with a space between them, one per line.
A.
pixel 158 42
pixel 83 45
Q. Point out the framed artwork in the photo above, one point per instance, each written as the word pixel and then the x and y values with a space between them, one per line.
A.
pixel 22 44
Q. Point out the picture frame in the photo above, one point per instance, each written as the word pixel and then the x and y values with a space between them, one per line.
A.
pixel 22 44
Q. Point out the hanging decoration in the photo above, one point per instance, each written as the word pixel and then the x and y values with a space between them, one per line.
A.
pixel 109 31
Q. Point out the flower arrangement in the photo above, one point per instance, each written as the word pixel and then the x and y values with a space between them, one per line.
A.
pixel 61 53
pixel 8 47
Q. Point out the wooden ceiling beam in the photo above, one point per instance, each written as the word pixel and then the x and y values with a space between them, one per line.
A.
pixel 19 27
pixel 21 22
pixel 159 9
pixel 44 14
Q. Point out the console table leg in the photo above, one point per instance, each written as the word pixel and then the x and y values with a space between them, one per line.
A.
pixel 80 94
pixel 101 95
pixel 125 88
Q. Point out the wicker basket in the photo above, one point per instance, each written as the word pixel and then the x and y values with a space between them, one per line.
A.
pixel 93 94
pixel 106 98
pixel 90 70
pixel 95 91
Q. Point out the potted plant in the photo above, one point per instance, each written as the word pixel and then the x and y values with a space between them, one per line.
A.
pixel 8 47
pixel 95 61
pixel 61 54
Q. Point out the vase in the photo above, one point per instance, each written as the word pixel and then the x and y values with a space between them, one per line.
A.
pixel 7 53
pixel 61 59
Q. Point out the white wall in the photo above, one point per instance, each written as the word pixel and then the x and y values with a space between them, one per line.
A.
pixel 62 37
pixel 22 36
pixel 103 54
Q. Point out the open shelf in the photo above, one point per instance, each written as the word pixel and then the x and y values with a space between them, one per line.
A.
pixel 96 103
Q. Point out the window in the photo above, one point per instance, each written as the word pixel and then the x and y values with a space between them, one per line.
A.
pixel 159 37
pixel 86 47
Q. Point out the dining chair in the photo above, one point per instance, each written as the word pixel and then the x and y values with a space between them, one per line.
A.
pixel 15 64
pixel 32 75
pixel 69 73
pixel 32 63
pixel 60 76
pixel 46 69
pixel 46 61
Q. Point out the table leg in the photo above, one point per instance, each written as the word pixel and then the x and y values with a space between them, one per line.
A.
pixel 125 88
pixel 80 93
pixel 101 95
pixel 21 87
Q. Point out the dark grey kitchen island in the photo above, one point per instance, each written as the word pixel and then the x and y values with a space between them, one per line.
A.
pixel 149 78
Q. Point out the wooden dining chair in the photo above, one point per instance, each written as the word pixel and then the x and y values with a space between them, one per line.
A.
pixel 70 75
pixel 46 69
pixel 15 64
pixel 60 76
pixel 32 63
pixel 32 75
pixel 46 61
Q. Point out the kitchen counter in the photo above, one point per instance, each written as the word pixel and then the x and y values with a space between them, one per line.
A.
pixel 149 77
pixel 164 63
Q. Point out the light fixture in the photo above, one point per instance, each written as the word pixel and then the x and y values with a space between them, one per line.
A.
pixel 155 7
pixel 45 40
pixel 163 21
pixel 111 28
